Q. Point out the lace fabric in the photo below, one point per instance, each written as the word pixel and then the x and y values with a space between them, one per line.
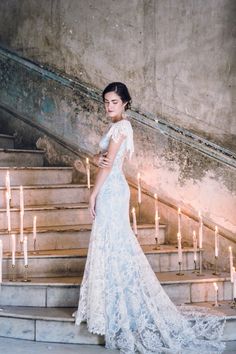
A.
pixel 120 296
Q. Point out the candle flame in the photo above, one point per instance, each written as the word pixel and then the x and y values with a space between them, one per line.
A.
pixel 133 210
pixel 230 249
pixel 87 160
pixel 138 175
pixel 179 211
pixel 215 286
pixel 199 214
pixel 178 234
pixel 155 195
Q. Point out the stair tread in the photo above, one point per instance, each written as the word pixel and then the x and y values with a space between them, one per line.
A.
pixel 48 186
pixel 70 228
pixel 163 277
pixel 65 313
pixel 51 207
pixel 82 252
pixel 44 168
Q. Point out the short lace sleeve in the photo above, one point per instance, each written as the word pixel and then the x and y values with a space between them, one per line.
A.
pixel 123 127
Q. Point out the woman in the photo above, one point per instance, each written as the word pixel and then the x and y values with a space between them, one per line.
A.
pixel 120 296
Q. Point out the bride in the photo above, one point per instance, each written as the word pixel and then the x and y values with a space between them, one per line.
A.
pixel 120 296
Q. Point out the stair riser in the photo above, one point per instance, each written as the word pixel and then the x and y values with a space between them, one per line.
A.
pixel 46 267
pixel 51 240
pixel 56 240
pixel 147 236
pixel 21 159
pixel 68 295
pixel 47 217
pixel 66 332
pixel 167 262
pixel 39 295
pixel 74 265
pixel 197 292
pixel 46 196
pixel 47 331
pixel 6 143
pixel 36 177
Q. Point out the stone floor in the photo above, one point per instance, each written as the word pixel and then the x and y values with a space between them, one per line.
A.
pixel 14 346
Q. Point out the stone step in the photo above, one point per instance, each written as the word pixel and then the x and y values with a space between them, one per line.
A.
pixel 44 325
pixel 64 291
pixel 72 236
pixel 36 175
pixel 57 324
pixel 18 157
pixel 6 141
pixel 48 215
pixel 47 194
pixel 72 262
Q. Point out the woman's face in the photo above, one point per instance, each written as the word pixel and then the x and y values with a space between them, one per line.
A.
pixel 114 106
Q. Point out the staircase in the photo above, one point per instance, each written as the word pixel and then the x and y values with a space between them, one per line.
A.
pixel 41 309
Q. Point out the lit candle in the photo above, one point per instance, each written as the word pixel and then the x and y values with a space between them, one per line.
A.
pixel 1 260
pixel 13 249
pixel 25 248
pixel 200 234
pixel 88 172
pixel 231 263
pixel 134 222
pixel 234 283
pixel 8 212
pixel 21 200
pixel 194 246
pixel 179 221
pixel 34 228
pixel 180 256
pixel 21 227
pixel 157 225
pixel 22 210
pixel 216 292
pixel 8 184
pixel 139 189
pixel 216 242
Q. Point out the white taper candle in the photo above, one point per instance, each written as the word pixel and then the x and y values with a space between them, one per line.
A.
pixel 231 264
pixel 134 222
pixel 13 248
pixel 179 221
pixel 8 184
pixel 216 242
pixel 35 227
pixel 180 255
pixel 8 212
pixel 25 248
pixel 194 246
pixel 88 172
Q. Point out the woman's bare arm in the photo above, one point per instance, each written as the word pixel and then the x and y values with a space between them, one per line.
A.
pixel 104 172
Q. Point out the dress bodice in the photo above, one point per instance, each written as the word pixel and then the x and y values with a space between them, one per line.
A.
pixel 123 127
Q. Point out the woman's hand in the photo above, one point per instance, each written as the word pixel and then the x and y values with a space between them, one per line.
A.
pixel 92 204
pixel 102 160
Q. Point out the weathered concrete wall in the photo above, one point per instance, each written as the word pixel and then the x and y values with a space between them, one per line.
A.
pixel 172 169
pixel 177 56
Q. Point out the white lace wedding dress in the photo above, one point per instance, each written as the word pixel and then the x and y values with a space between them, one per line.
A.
pixel 120 296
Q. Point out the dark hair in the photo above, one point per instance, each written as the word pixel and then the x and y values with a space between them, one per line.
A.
pixel 121 90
